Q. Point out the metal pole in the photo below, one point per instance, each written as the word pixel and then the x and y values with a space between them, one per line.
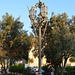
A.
pixel 40 50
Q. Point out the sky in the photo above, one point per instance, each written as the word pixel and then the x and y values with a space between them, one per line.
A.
pixel 18 8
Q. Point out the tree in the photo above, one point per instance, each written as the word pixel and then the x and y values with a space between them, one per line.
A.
pixel 2 52
pixel 15 41
pixel 72 59
pixel 59 38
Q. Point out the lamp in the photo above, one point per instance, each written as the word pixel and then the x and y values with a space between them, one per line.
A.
pixel 43 10
pixel 32 13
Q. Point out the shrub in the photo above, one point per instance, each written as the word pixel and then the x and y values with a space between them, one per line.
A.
pixel 20 69
pixel 59 73
pixel 27 71
pixel 17 68
pixel 73 68
pixel 68 68
pixel 13 68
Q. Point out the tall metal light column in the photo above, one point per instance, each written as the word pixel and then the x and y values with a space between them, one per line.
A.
pixel 40 50
pixel 42 16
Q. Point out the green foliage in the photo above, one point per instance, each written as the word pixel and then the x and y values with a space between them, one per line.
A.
pixel 68 68
pixel 60 38
pixel 73 67
pixel 72 59
pixel 59 73
pixel 30 60
pixel 27 72
pixel 17 68
pixel 13 39
pixel 13 68
pixel 20 69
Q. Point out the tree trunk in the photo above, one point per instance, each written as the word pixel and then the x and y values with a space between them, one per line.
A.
pixel 62 70
pixel 4 67
pixel 11 62
pixel 55 71
pixel 65 61
pixel 56 68
pixel 62 67
pixel 4 63
pixel 7 63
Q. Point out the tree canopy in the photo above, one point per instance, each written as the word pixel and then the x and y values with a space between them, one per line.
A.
pixel 13 39
pixel 58 41
pixel 60 38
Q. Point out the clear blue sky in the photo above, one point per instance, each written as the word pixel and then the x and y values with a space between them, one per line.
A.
pixel 19 8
